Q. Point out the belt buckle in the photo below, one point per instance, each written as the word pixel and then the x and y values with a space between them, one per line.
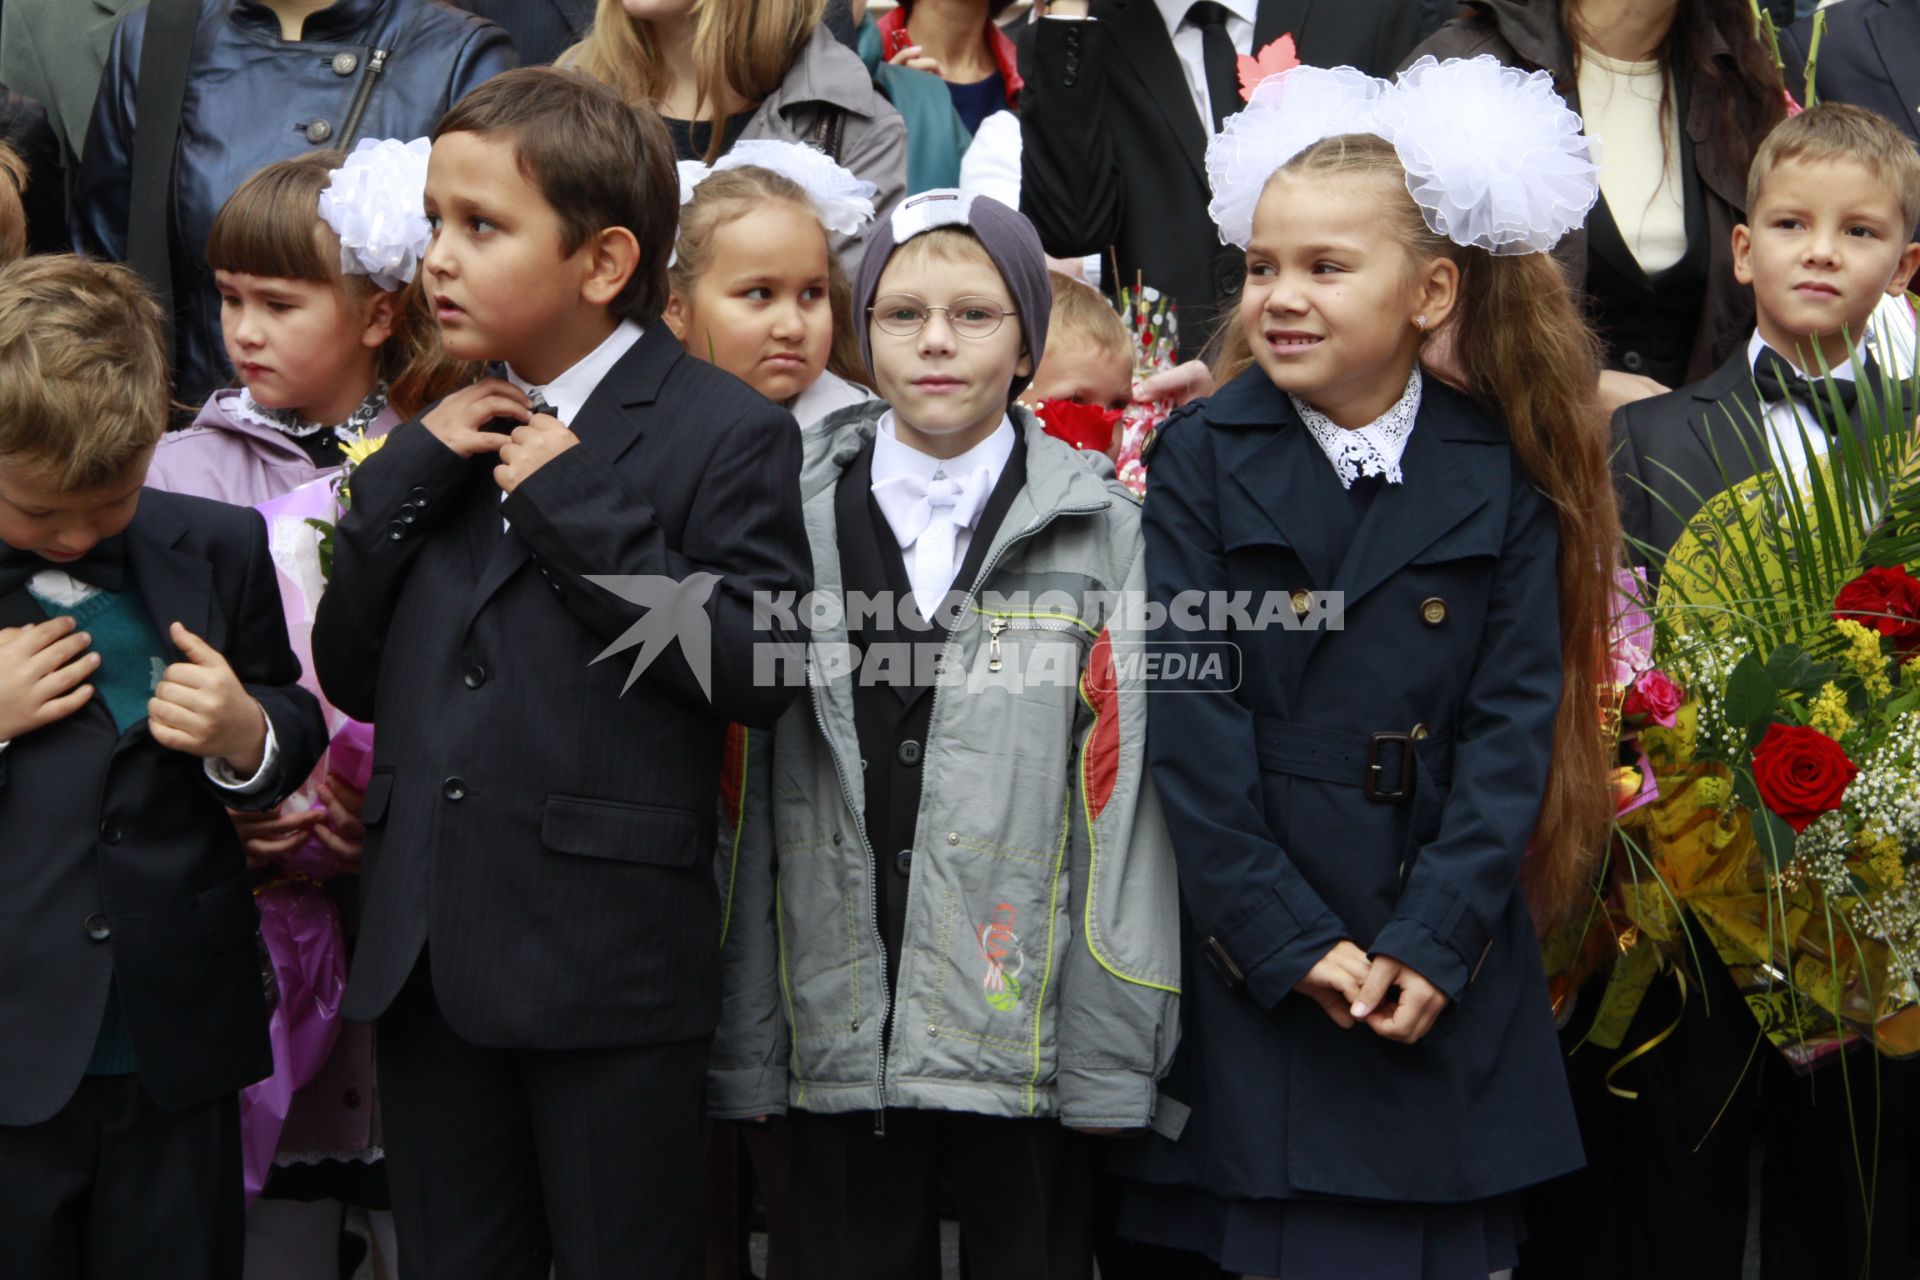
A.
pixel 1375 792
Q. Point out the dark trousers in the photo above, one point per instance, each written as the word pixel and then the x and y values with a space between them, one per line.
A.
pixel 114 1188
pixel 1671 1186
pixel 866 1206
pixel 504 1163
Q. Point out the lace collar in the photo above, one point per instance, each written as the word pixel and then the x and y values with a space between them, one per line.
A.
pixel 1373 450
pixel 289 423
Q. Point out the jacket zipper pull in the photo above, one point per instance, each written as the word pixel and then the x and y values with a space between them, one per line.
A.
pixel 880 1123
pixel 994 629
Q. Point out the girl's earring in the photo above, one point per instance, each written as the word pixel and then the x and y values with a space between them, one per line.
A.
pixel 1420 322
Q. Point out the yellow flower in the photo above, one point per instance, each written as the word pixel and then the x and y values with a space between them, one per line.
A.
pixel 1829 714
pixel 1881 852
pixel 360 448
pixel 1910 673
pixel 1864 657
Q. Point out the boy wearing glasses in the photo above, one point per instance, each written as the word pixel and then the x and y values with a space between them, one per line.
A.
pixel 976 934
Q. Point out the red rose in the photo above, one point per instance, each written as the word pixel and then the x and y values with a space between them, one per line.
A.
pixel 1654 699
pixel 1888 600
pixel 1084 426
pixel 1801 773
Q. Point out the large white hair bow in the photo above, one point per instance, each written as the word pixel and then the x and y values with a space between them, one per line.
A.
pixel 376 203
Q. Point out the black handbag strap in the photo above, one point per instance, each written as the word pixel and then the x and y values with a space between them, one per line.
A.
pixel 157 100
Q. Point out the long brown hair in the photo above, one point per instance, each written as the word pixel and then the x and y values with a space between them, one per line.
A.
pixel 731 193
pixel 1521 350
pixel 271 226
pixel 746 45
pixel 1743 88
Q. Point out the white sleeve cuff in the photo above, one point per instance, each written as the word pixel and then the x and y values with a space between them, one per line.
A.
pixel 226 779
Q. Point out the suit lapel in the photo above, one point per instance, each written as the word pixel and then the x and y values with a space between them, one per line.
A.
pixel 1406 519
pixel 1140 36
pixel 176 585
pixel 1903 72
pixel 1727 423
pixel 607 429
pixel 1278 18
pixel 18 608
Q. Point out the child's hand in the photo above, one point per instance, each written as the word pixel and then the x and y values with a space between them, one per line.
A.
pixel 1335 982
pixel 915 57
pixel 42 668
pixel 269 836
pixel 460 420
pixel 343 832
pixel 201 708
pixel 1411 1015
pixel 1178 385
pixel 530 448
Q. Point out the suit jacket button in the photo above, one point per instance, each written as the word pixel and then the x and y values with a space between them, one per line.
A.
pixel 98 929
pixel 454 789
pixel 908 753
pixel 903 861
pixel 475 676
pixel 344 64
pixel 396 530
pixel 1302 603
pixel 1433 611
pixel 109 833
pixel 419 495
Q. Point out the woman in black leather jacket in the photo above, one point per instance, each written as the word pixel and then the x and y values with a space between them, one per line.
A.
pixel 365 68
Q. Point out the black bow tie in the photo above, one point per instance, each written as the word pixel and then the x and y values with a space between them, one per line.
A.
pixel 1776 379
pixel 104 567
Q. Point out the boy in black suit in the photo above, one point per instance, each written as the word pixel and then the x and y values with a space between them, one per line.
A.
pixel 1832 197
pixel 541 926
pixel 146 687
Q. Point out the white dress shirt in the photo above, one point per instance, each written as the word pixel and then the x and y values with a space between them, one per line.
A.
pixel 1187 45
pixel 900 472
pixel 568 393
pixel 1785 419
pixel 62 588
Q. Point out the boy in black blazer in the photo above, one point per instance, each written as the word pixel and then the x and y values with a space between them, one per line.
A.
pixel 1832 197
pixel 541 926
pixel 146 687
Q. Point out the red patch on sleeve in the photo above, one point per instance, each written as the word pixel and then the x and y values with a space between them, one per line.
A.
pixel 1100 765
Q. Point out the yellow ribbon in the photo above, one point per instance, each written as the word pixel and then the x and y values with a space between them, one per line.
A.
pixel 1632 1095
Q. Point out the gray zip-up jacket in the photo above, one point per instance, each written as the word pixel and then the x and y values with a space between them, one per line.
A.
pixel 1040 961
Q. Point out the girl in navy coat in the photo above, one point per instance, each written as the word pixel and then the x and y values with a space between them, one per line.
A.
pixel 1408 732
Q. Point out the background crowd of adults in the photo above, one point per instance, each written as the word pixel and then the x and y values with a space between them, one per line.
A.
pixel 1093 114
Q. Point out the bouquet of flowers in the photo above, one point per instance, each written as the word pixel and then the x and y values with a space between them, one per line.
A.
pixel 1154 322
pixel 1769 696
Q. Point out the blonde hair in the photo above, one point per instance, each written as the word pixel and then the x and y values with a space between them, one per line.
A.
pixel 746 45
pixel 271 226
pixel 732 193
pixel 1836 131
pixel 1082 316
pixel 84 391
pixel 1526 357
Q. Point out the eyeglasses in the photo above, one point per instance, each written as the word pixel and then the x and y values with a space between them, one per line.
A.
pixel 904 315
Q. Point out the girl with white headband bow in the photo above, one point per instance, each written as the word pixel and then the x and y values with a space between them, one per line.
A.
pixel 314 258
pixel 1411 749
pixel 754 286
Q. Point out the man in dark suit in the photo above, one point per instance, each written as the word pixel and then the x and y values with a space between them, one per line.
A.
pixel 146 687
pixel 541 30
pixel 1869 58
pixel 1121 98
pixel 541 925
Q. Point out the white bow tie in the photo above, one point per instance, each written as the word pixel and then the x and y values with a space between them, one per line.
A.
pixel 926 514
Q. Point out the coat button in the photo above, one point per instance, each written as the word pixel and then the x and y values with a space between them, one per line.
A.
pixel 318 131
pixel 953 837
pixel 475 676
pixel 838 838
pixel 344 64
pixel 903 861
pixel 109 833
pixel 98 929
pixel 1420 733
pixel 454 789
pixel 1229 282
pixel 908 753
pixel 351 1097
pixel 1433 611
pixel 1302 603
pixel 1633 362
